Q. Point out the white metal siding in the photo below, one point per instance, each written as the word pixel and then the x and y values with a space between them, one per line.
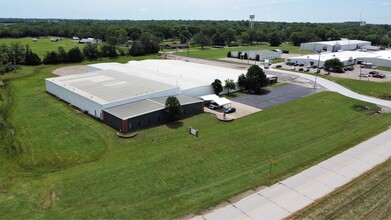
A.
pixel 75 99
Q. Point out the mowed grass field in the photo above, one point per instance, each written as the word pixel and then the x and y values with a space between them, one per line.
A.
pixel 367 197
pixel 44 44
pixel 73 166
pixel 217 53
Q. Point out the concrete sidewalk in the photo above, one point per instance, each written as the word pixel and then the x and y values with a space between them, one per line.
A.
pixel 297 192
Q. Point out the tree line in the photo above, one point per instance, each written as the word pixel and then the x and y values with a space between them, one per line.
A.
pixel 202 33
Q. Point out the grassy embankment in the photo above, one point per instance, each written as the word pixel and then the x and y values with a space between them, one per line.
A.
pixel 65 163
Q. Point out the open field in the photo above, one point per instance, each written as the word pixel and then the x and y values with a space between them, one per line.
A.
pixel 72 165
pixel 44 44
pixel 216 53
pixel 367 197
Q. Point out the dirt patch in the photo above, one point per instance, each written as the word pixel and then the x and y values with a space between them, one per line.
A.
pixel 70 70
pixel 48 200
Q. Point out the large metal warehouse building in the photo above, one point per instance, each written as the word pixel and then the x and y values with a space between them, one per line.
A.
pixel 105 94
pixel 335 46
pixel 193 79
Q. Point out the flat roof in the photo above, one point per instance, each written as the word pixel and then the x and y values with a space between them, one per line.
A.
pixel 342 56
pixel 186 75
pixel 341 42
pixel 146 106
pixel 106 86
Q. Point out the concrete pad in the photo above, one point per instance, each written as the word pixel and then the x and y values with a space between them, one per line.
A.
pixel 227 212
pixel 258 207
pixel 307 186
pixel 360 166
pixel 333 179
pixel 286 198
pixel 315 172
pixel 372 158
pixel 340 159
pixel 343 169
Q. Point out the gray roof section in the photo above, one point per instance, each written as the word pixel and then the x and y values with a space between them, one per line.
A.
pixel 183 99
pixel 106 86
pixel 135 109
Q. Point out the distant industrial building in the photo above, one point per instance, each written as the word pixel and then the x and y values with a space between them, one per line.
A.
pixel 263 54
pixel 335 46
pixel 380 58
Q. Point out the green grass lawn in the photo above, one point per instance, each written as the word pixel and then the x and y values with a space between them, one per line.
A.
pixel 384 68
pixel 74 166
pixel 44 44
pixel 367 197
pixel 216 53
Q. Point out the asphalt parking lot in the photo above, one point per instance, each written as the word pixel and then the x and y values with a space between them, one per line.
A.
pixel 348 74
pixel 276 95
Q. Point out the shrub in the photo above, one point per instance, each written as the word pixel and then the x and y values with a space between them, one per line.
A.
pixel 229 54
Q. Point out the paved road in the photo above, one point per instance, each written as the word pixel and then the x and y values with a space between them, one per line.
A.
pixel 332 86
pixel 290 195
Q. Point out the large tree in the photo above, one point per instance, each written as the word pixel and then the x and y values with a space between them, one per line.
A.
pixel 91 51
pixel 75 55
pixel 242 81
pixel 218 40
pixel 201 39
pixel 217 86
pixel 173 107
pixel 274 39
pixel 31 58
pixel 256 78
pixel 230 85
pixel 334 65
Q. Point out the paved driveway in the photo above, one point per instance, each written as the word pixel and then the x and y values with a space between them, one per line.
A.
pixel 277 95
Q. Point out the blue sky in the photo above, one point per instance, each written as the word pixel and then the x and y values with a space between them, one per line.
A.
pixel 372 11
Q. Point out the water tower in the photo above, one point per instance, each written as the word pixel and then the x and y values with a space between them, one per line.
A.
pixel 252 17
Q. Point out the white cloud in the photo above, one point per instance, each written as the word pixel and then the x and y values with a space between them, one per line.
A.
pixel 143 9
pixel 385 3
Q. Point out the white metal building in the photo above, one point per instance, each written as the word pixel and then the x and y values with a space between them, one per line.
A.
pixel 263 54
pixel 335 46
pixel 193 79
pixel 95 91
pixel 381 58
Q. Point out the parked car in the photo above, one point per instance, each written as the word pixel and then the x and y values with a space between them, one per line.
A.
pixel 278 66
pixel 214 106
pixel 229 110
pixel 296 64
pixel 301 69
pixel 379 75
pixel 293 68
pixel 301 64
pixel 307 70
pixel 374 72
pixel 364 75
